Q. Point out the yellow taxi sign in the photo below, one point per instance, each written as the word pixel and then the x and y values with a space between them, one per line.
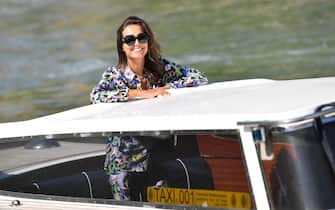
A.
pixel 205 198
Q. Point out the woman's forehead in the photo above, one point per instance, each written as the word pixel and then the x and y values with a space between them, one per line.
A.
pixel 133 29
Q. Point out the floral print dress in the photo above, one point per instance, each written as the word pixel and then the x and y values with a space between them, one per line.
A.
pixel 126 153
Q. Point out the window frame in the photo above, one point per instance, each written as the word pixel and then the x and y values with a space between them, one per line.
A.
pixel 245 142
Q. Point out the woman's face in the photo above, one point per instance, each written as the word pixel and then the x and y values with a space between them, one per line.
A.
pixel 137 50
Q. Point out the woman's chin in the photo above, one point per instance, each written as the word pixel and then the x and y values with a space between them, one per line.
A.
pixel 138 55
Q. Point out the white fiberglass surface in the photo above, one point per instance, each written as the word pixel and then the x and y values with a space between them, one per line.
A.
pixel 215 106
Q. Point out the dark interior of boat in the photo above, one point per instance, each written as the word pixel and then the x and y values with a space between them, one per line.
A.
pixel 212 162
pixel 86 178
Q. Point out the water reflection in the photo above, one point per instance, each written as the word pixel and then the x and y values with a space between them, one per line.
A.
pixel 53 52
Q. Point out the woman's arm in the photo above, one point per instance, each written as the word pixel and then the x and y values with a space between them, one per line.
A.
pixel 182 76
pixel 151 93
pixel 111 88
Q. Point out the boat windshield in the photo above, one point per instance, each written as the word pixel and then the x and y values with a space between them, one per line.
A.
pixel 185 169
pixel 299 168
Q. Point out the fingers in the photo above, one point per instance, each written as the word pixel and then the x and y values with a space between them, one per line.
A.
pixel 151 93
pixel 161 91
pixel 164 93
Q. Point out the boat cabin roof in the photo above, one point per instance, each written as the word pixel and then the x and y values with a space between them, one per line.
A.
pixel 215 106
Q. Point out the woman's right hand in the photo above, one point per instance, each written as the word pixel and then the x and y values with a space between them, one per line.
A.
pixel 150 93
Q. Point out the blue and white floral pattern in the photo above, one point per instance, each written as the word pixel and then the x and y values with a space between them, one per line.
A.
pixel 125 153
pixel 115 84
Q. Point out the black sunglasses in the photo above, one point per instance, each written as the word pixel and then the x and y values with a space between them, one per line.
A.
pixel 131 39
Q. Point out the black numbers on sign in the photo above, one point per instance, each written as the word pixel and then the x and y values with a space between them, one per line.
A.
pixel 186 197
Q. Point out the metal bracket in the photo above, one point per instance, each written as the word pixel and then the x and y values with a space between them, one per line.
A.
pixel 266 151
pixel 261 137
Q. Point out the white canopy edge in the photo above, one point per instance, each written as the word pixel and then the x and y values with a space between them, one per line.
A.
pixel 212 107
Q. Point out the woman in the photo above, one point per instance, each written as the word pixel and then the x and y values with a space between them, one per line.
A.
pixel 141 72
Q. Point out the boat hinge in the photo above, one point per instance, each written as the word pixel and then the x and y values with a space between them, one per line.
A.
pixel 261 137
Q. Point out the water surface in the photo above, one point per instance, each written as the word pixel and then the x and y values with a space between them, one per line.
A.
pixel 53 52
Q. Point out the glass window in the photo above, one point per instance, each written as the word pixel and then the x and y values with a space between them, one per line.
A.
pixel 300 174
pixel 204 169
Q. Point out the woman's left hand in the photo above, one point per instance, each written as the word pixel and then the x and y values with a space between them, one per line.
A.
pixel 151 93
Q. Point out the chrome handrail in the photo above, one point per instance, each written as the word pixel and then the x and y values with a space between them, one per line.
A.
pixel 319 112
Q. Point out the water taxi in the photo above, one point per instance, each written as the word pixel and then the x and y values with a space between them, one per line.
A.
pixel 246 144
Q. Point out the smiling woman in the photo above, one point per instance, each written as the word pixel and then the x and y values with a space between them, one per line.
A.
pixel 141 72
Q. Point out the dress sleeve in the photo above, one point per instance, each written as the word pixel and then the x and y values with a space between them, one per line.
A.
pixel 111 88
pixel 182 76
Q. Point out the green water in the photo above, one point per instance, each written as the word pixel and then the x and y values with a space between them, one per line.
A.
pixel 53 52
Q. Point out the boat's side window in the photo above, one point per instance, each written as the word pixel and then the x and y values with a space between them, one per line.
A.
pixel 202 170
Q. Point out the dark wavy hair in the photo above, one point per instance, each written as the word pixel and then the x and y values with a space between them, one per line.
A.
pixel 152 58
